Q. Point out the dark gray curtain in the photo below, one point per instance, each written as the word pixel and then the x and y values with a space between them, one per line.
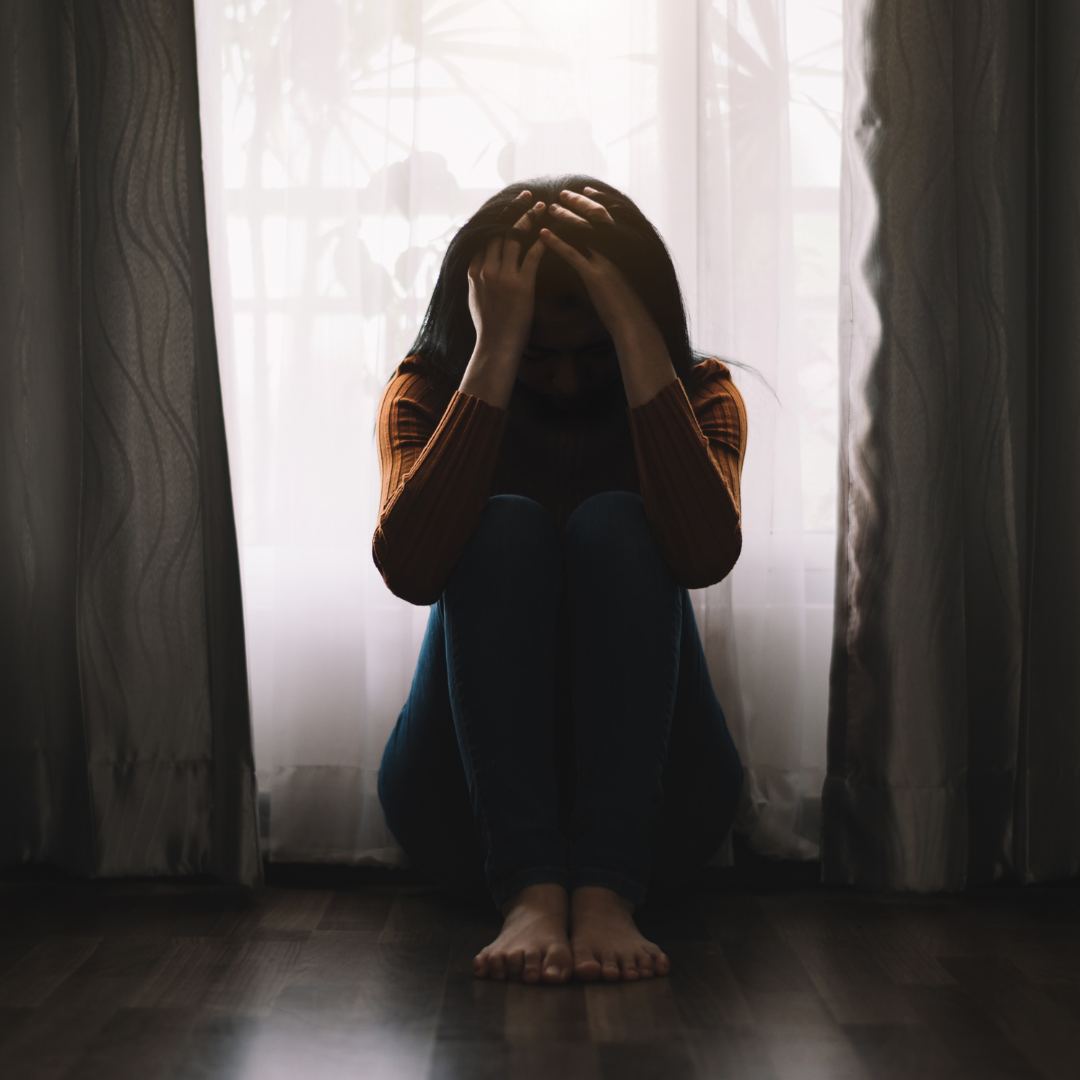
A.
pixel 125 742
pixel 954 729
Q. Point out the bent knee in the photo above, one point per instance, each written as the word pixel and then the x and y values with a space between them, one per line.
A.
pixel 612 523
pixel 514 530
pixel 519 517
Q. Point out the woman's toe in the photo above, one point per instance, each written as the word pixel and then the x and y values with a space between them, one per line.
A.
pixel 480 966
pixel 609 967
pixel 557 964
pixel 586 966
pixel 515 963
pixel 497 966
pixel 530 970
pixel 645 965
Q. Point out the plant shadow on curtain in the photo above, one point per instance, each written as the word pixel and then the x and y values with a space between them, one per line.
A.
pixel 343 145
pixel 125 736
pixel 954 742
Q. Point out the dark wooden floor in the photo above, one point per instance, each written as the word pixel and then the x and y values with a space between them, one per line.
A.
pixel 142 980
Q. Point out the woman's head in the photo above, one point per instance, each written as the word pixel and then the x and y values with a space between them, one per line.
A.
pixel 564 314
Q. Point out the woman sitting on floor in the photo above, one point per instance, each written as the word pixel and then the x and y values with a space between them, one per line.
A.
pixel 558 468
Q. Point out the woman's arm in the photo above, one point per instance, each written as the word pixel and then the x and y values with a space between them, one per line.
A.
pixel 436 461
pixel 437 458
pixel 690 451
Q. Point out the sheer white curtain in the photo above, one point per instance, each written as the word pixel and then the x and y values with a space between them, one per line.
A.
pixel 344 141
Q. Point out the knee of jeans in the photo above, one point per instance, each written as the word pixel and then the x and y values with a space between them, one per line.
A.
pixel 516 524
pixel 612 525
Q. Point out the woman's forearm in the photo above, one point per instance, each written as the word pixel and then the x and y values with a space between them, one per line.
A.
pixel 429 515
pixel 643 359
pixel 490 375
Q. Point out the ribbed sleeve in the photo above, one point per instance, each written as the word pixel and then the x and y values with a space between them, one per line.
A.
pixel 689 454
pixel 437 459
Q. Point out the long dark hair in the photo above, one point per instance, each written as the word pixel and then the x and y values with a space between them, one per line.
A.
pixel 447 335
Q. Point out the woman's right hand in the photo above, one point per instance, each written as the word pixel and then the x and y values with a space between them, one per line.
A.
pixel 502 292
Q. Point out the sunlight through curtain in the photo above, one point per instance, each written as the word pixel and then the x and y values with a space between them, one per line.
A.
pixel 344 143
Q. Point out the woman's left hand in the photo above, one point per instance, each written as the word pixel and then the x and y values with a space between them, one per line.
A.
pixel 643 356
pixel 617 304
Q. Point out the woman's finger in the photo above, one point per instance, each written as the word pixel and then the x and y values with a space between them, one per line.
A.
pixel 525 222
pixel 493 255
pixel 561 247
pixel 586 207
pixel 532 260
pixel 562 214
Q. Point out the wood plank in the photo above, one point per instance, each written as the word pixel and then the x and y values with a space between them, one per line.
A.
pixel 289 912
pixel 254 977
pixel 968 1034
pixel 11 1020
pixel 735 1050
pixel 54 1036
pixel 707 994
pixel 899 954
pixel 801 1038
pixel 790 1010
pixel 473 1010
pixel 13 947
pixel 335 958
pixel 38 974
pixel 945 929
pixel 1043 954
pixel 208 973
pixel 218 1045
pixel 817 914
pixel 1066 996
pixel 403 987
pixel 465 1060
pixel 734 916
pixel 813 1054
pixel 1043 1032
pixel 633 1012
pixel 358 910
pixel 131 955
pixel 184 909
pixel 902 1051
pixel 184 975
pixel 852 984
pixel 766 964
pixel 863 923
pixel 546 1014
pixel 545 1061
pixel 420 916
pixel 322 1039
pixel 646 1061
pixel 135 1044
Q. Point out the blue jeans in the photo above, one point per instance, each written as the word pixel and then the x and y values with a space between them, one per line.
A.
pixel 561 725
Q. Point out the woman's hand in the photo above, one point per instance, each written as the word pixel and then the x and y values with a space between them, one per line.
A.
pixel 502 296
pixel 643 356
pixel 502 292
pixel 617 304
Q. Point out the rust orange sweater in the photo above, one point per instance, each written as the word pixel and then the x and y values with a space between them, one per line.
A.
pixel 443 453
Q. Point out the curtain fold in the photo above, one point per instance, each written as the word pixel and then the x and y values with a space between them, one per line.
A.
pixel 954 727
pixel 125 737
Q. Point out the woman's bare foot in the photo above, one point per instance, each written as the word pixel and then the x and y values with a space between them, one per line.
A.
pixel 606 942
pixel 532 946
